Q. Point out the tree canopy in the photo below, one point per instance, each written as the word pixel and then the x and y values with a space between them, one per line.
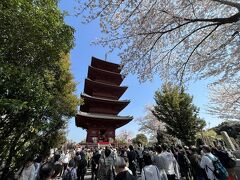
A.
pixel 168 34
pixel 140 139
pixel 225 101
pixel 179 40
pixel 174 107
pixel 36 87
pixel 231 127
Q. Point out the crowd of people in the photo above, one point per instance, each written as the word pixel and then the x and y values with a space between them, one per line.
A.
pixel 128 163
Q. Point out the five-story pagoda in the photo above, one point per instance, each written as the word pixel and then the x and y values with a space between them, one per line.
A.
pixel 102 91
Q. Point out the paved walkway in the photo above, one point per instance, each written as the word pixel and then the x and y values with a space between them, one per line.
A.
pixel 88 176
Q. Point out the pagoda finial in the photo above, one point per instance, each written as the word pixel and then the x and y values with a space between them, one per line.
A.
pixel 105 56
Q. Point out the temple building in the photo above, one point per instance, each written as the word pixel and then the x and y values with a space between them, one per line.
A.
pixel 102 91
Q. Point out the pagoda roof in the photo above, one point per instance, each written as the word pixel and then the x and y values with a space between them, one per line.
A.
pixel 104 99
pixel 102 105
pixel 84 119
pixel 104 116
pixel 109 66
pixel 104 90
pixel 106 76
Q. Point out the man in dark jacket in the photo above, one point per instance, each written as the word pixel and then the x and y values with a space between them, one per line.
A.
pixel 95 164
pixel 82 167
pixel 132 158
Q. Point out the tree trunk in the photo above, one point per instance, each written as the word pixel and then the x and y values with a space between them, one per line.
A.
pixel 10 156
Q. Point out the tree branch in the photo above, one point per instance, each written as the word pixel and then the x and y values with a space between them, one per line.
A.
pixel 129 16
pixel 184 38
pixel 229 3
pixel 118 6
pixel 185 63
pixel 231 19
pixel 163 32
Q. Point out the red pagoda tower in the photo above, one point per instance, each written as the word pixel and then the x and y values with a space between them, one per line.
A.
pixel 99 113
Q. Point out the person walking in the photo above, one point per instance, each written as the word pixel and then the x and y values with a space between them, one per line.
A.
pixel 132 158
pixel 227 159
pixel 27 171
pixel 197 171
pixel 207 162
pixel 70 173
pixel 140 158
pixel 65 159
pixel 82 167
pixel 58 167
pixel 159 162
pixel 37 165
pixel 184 163
pixel 170 164
pixel 95 164
pixel 150 171
pixel 123 173
pixel 106 163
pixel 46 172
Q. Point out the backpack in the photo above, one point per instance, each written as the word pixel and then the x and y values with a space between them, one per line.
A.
pixel 219 171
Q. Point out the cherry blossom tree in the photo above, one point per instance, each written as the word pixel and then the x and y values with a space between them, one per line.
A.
pixel 225 101
pixel 124 137
pixel 171 37
pixel 149 124
pixel 179 40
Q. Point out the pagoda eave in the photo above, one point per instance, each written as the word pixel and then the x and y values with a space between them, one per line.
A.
pixel 82 119
pixel 101 75
pixel 86 96
pixel 109 66
pixel 102 105
pixel 99 89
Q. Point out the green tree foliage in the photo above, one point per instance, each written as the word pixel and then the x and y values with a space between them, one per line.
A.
pixel 200 124
pixel 208 133
pixel 36 86
pixel 140 139
pixel 164 137
pixel 174 107
pixel 231 127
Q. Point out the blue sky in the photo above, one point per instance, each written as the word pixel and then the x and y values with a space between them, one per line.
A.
pixel 139 94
